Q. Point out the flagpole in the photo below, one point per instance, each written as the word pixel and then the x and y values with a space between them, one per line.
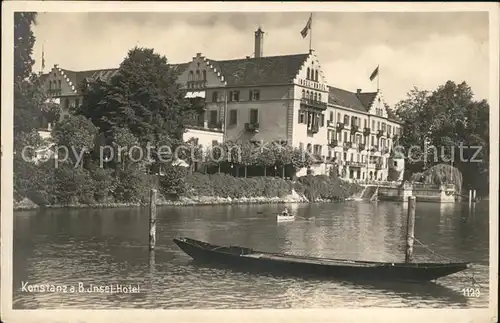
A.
pixel 378 76
pixel 310 33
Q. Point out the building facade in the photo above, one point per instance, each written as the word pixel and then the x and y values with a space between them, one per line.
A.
pixel 273 98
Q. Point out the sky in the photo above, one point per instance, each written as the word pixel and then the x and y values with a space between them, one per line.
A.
pixel 412 49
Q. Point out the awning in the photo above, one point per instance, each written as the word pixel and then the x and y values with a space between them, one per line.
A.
pixel 197 94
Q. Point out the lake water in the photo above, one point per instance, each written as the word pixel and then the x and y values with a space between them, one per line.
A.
pixel 103 247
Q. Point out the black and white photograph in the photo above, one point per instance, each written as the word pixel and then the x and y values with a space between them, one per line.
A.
pixel 246 157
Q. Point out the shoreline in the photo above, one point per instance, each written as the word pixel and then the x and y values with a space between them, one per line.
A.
pixel 184 201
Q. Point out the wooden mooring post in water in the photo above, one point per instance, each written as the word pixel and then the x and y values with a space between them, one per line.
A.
pixel 152 219
pixel 410 228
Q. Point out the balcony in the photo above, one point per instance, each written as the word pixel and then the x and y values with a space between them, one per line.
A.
pixel 378 166
pixel 347 145
pixel 340 126
pixel 385 150
pixel 354 129
pixel 252 126
pixel 380 133
pixel 215 125
pixel 196 84
pixel 330 124
pixel 313 104
pixel 333 143
pixel 361 147
pixel 313 129
pixel 54 92
pixel 395 138
pixel 374 149
pixel 354 164
pixel 366 131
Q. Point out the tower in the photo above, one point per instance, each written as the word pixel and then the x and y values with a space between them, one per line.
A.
pixel 259 43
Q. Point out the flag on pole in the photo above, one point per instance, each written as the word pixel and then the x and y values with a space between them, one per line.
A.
pixel 306 29
pixel 43 58
pixel 374 74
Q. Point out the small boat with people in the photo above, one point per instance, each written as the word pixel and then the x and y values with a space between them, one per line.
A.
pixel 237 257
pixel 285 216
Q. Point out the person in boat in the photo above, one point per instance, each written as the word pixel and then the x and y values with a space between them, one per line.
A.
pixel 285 212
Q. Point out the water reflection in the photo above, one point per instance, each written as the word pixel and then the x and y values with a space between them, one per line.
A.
pixel 111 246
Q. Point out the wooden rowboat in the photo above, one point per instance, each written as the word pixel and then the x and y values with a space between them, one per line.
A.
pixel 285 218
pixel 248 259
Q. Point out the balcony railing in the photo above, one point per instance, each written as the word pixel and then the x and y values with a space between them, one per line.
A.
pixel 330 124
pixel 361 147
pixel 374 149
pixel 333 143
pixel 252 126
pixel 196 84
pixel 386 150
pixel 354 129
pixel 347 145
pixel 380 133
pixel 340 126
pixel 314 128
pixel 378 166
pixel 313 104
pixel 366 131
pixel 54 92
pixel 355 164
pixel 215 125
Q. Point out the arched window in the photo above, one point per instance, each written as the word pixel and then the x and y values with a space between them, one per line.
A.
pixel 204 75
pixel 59 84
pixel 190 76
pixel 315 96
pixel 50 85
pixel 316 76
pixel 307 94
pixel 303 94
pixel 308 73
pixel 197 75
pixel 319 99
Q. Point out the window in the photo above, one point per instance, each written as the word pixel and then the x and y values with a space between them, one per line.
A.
pixel 308 73
pixel 389 129
pixel 346 120
pixel 254 95
pixel 190 76
pixel 378 125
pixel 215 143
pixel 213 117
pixel 197 75
pixel 301 146
pixel 338 117
pixel 373 140
pixel 303 94
pixel 316 75
pixel 77 103
pixel 233 117
pixel 353 121
pixel 215 96
pixel 302 117
pixel 309 148
pixel 315 96
pixel 345 136
pixel 366 123
pixel 50 85
pixel 234 96
pixel 204 75
pixel 331 116
pixel 254 116
pixel 319 97
pixel 322 120
pixel 59 84
pixel 383 126
pixel 66 104
pixel 373 125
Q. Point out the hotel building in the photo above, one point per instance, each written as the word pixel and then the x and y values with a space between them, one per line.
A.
pixel 273 98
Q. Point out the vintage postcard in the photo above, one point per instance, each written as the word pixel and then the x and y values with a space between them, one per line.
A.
pixel 246 161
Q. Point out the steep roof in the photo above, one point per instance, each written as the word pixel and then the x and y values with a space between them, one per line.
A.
pixel 260 71
pixel 356 101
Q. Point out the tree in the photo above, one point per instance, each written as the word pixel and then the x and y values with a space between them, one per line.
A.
pixel 143 96
pixel 77 134
pixel 28 97
pixel 440 123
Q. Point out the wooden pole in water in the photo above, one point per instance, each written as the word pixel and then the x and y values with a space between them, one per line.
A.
pixel 474 196
pixel 470 197
pixel 152 219
pixel 410 228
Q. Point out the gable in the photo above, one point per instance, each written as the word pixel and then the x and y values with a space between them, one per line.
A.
pixel 310 69
pixel 59 82
pixel 200 73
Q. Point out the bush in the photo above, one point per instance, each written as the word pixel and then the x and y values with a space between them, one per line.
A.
pixel 72 185
pixel 325 187
pixel 223 185
pixel 133 185
pixel 171 183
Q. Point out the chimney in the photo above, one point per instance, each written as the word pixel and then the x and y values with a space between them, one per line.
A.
pixel 358 91
pixel 259 43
